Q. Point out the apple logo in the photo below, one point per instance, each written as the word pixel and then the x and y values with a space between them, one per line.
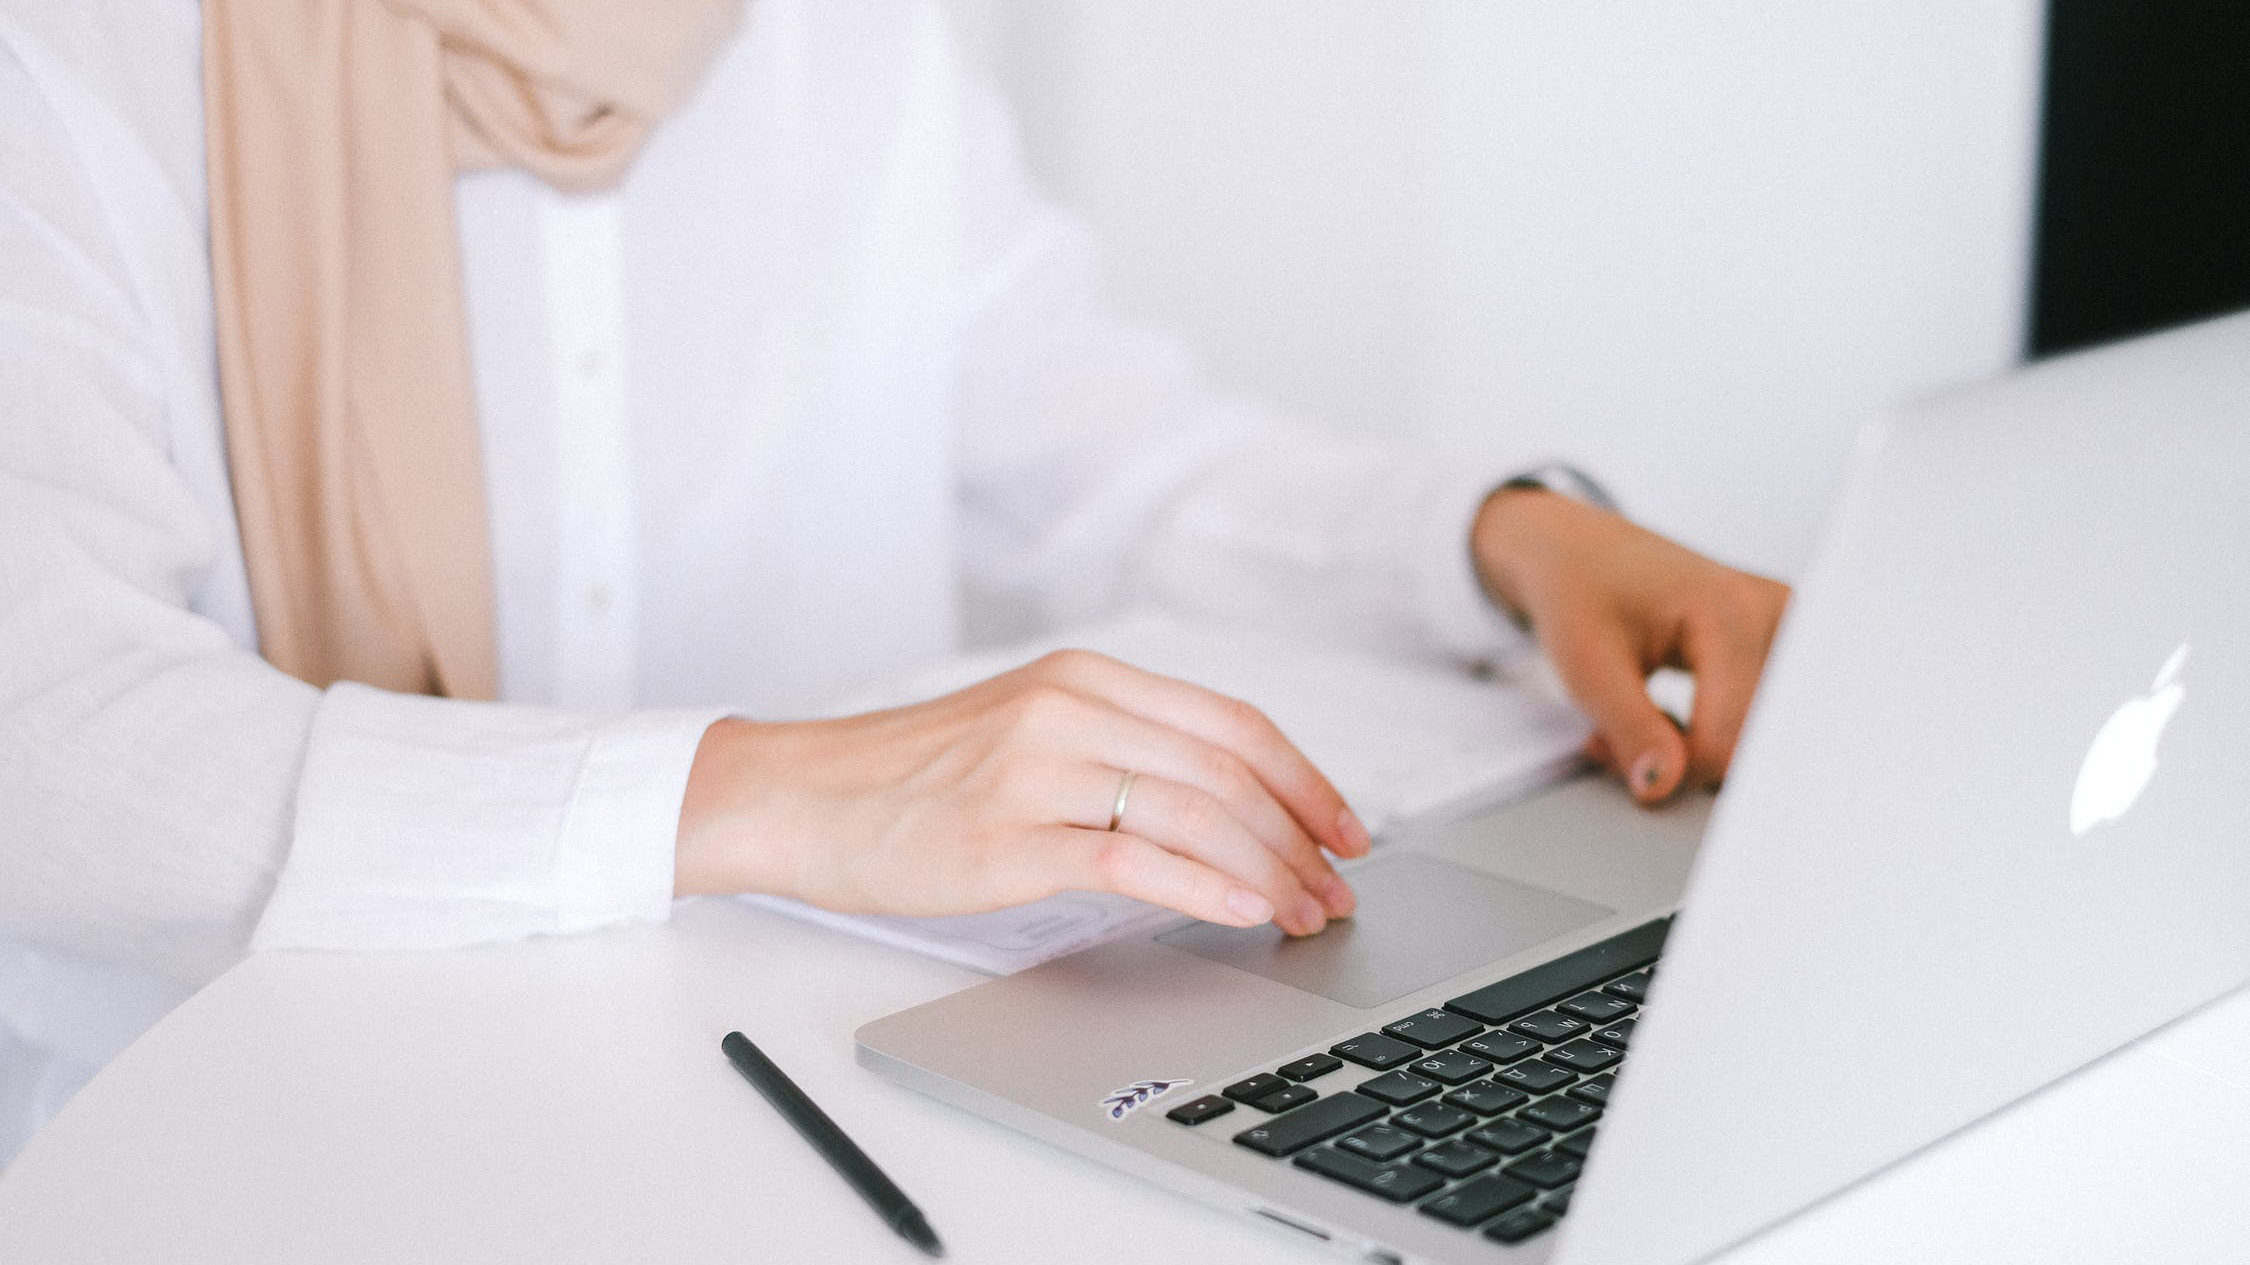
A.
pixel 2123 758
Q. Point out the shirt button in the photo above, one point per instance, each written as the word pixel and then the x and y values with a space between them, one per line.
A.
pixel 599 597
pixel 592 363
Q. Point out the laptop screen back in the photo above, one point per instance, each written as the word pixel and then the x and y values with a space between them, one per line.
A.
pixel 1986 824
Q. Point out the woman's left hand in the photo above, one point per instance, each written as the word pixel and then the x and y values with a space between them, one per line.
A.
pixel 1612 602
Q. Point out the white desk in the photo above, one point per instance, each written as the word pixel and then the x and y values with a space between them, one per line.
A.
pixel 565 1100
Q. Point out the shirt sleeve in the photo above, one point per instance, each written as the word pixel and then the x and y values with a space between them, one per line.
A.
pixel 1100 472
pixel 426 823
pixel 168 792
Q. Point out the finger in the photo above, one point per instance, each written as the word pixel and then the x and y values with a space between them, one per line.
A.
pixel 1596 748
pixel 1232 724
pixel 1129 741
pixel 1115 861
pixel 1606 677
pixel 1726 670
pixel 1195 824
pixel 1098 739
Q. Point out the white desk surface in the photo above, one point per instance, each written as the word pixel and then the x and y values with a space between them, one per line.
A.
pixel 565 1100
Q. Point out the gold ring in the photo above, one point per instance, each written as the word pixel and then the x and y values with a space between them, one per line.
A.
pixel 1124 788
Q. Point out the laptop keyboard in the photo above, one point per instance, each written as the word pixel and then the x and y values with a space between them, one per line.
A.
pixel 1481 1111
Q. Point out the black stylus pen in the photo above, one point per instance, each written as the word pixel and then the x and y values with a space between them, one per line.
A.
pixel 841 1152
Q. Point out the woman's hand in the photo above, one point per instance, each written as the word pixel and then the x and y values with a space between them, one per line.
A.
pixel 1001 794
pixel 1612 602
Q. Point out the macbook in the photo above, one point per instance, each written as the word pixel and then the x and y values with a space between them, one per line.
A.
pixel 1983 828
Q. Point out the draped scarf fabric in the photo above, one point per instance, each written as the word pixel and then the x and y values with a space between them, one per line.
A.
pixel 333 130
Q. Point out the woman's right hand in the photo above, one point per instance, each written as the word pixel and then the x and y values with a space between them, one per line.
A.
pixel 1001 794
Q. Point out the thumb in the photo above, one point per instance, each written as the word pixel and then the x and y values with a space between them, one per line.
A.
pixel 1605 676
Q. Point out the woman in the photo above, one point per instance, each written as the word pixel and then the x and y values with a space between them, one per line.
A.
pixel 481 612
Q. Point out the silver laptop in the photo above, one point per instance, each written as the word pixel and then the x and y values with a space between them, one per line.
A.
pixel 1994 770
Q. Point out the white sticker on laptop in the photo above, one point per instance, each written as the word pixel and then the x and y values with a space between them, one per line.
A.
pixel 1124 1102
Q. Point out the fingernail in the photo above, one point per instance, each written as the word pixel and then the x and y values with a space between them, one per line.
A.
pixel 1248 906
pixel 1310 916
pixel 1354 832
pixel 1337 896
pixel 1647 772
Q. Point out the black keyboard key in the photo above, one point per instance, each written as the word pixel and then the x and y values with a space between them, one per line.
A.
pixel 1508 1136
pixel 1535 1075
pixel 1456 1159
pixel 1434 1120
pixel 1502 1047
pixel 1550 1025
pixel 1255 1088
pixel 1566 976
pixel 1399 1088
pixel 1395 1182
pixel 1595 1090
pixel 1616 1035
pixel 1595 1008
pixel 1451 1067
pixel 1487 1099
pixel 1310 1067
pixel 1559 1202
pixel 1286 1099
pixel 1379 1052
pixel 1379 1142
pixel 1200 1110
pixel 1560 1114
pixel 1633 988
pixel 1546 1169
pixel 1310 1123
pixel 1578 1144
pixel 1480 1200
pixel 1432 1029
pixel 1519 1225
pixel 1584 1056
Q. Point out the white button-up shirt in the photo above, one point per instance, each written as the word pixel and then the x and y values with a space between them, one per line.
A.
pixel 754 423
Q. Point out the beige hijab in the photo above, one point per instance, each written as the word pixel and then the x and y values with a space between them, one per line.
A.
pixel 333 131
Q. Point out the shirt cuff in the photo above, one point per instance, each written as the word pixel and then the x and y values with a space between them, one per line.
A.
pixel 426 823
pixel 1463 619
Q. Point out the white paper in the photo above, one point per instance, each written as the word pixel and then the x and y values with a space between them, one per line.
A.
pixel 1400 741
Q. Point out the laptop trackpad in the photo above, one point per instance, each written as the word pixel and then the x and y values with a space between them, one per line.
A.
pixel 1420 920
